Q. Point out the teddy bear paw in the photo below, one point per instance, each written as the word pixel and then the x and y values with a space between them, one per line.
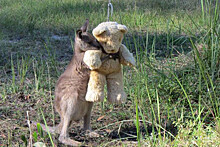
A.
pixel 118 99
pixel 94 96
pixel 95 64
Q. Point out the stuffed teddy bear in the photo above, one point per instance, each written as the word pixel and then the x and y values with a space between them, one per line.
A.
pixel 105 64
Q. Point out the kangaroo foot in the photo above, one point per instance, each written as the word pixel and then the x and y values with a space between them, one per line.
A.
pixel 92 134
pixel 68 141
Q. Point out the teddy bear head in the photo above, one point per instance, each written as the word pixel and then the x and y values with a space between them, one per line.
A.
pixel 110 35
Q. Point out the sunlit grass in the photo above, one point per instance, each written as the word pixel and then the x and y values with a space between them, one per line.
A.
pixel 173 94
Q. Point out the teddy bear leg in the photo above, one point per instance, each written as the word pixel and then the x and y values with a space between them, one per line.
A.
pixel 115 88
pixel 95 89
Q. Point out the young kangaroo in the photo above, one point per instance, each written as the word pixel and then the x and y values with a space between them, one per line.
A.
pixel 71 88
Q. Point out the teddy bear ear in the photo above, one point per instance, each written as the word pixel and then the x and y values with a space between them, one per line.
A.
pixel 123 28
pixel 97 32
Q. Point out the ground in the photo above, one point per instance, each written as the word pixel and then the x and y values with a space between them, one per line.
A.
pixel 173 93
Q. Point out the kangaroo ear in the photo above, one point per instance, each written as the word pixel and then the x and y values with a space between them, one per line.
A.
pixel 84 28
pixel 79 33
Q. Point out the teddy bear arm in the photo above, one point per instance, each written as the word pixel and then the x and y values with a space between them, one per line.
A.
pixel 92 58
pixel 126 57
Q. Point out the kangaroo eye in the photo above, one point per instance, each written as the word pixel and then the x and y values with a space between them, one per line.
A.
pixel 86 38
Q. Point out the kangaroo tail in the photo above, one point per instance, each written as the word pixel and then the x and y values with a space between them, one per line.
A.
pixel 46 128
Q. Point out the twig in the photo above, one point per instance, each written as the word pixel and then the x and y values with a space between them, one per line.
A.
pixel 29 125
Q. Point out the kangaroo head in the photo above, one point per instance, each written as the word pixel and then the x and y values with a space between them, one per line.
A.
pixel 86 41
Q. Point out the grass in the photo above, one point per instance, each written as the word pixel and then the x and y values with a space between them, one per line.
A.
pixel 173 94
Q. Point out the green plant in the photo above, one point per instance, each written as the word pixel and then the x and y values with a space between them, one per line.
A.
pixel 173 93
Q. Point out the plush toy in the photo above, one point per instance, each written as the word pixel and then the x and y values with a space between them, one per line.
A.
pixel 105 64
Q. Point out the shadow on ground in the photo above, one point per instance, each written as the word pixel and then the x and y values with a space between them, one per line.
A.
pixel 56 52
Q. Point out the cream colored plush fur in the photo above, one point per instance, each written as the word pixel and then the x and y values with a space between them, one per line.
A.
pixel 110 35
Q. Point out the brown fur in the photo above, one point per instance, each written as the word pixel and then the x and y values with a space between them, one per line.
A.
pixel 71 88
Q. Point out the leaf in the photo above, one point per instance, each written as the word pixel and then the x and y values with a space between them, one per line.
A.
pixel 39 144
pixel 46 136
pixel 108 131
pixel 3 135
pixel 35 136
pixel 24 139
pixel 101 117
pixel 40 130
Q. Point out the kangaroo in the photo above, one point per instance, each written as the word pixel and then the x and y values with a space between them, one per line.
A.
pixel 71 88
